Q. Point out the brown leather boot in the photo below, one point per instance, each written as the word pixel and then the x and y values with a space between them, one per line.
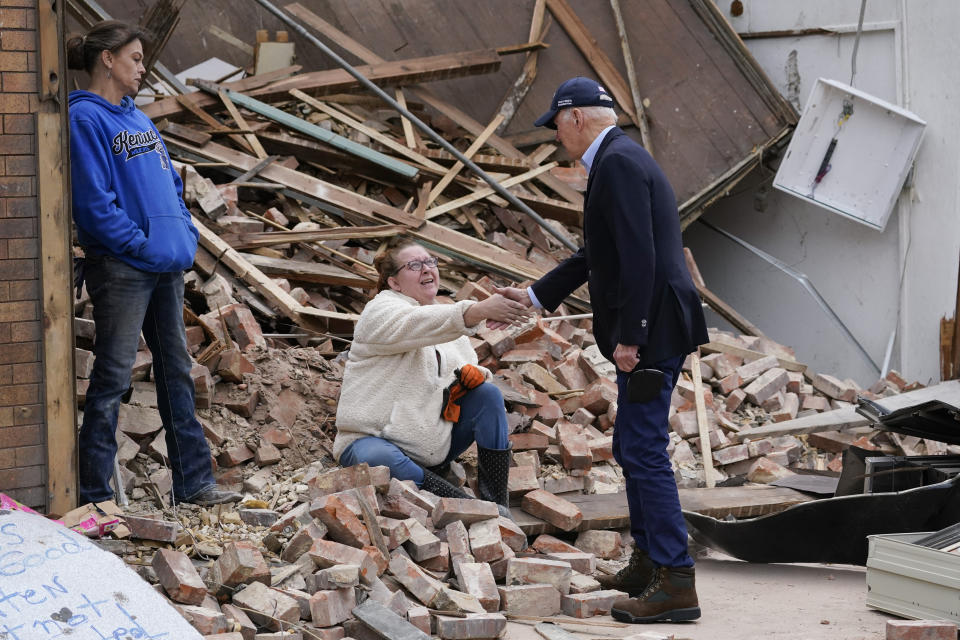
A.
pixel 634 577
pixel 671 596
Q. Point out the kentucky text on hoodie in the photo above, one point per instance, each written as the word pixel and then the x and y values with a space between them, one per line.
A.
pixel 126 199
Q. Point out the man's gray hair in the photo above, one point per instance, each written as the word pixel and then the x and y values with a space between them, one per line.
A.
pixel 600 115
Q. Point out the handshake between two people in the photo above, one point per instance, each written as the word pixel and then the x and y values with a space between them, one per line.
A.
pixel 507 306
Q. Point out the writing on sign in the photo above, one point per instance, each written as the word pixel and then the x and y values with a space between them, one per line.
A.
pixel 56 584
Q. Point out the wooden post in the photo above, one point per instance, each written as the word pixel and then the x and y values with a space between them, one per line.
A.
pixel 56 266
pixel 632 78
pixel 705 451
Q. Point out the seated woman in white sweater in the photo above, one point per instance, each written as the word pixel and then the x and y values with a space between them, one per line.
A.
pixel 406 352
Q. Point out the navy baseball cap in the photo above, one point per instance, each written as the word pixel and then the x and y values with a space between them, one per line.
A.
pixel 575 92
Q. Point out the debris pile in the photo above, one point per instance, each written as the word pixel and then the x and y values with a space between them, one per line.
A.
pixel 295 182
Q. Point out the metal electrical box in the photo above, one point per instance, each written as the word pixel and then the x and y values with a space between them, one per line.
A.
pixel 850 153
pixel 912 581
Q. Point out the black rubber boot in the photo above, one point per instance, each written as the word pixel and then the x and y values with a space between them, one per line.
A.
pixel 441 488
pixel 493 469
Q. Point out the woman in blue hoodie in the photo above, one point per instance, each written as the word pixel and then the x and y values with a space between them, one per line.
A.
pixel 137 239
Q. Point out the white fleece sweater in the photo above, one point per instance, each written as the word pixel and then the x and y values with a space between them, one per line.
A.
pixel 393 384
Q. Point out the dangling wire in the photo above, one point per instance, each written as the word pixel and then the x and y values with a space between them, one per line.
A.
pixel 856 42
pixel 845 112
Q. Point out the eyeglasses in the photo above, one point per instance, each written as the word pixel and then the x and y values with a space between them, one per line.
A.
pixel 417 265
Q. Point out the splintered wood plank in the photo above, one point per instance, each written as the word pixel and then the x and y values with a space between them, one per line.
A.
pixel 451 65
pixel 740 502
pixel 610 510
pixel 241 241
pixel 458 165
pixel 425 95
pixel 847 417
pixel 484 192
pixel 447 241
pixel 386 141
pixel 256 278
pixel 587 44
pixel 302 271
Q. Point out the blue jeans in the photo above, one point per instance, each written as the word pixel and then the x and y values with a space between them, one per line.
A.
pixel 126 300
pixel 640 438
pixel 482 418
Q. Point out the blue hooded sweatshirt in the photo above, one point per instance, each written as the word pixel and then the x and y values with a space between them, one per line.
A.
pixel 126 198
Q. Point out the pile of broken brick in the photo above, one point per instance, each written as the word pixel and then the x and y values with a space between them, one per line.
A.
pixel 436 566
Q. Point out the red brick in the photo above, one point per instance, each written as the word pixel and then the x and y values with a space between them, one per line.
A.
pixel 268 607
pixel 12 144
pixel 16 18
pixel 241 563
pixel 18 269
pixel 331 607
pixel 342 524
pixel 233 365
pixel 21 477
pixel 178 576
pixel 25 331
pixel 19 394
pixel 327 553
pixel 921 630
pixel 555 510
pixel 19 82
pixel 30 456
pixel 23 289
pixel 19 436
pixel 28 415
pixel 13 61
pixel 526 441
pixel 12 187
pixel 18 41
pixel 19 228
pixel 243 327
pixel 235 455
pixel 18 124
pixel 587 605
pixel 546 543
pixel 21 207
pixel 539 570
pixel 467 511
pixel 530 599
pixel 18 311
pixel 475 625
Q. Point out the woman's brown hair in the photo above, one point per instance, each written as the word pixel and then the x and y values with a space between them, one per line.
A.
pixel 109 35
pixel 386 261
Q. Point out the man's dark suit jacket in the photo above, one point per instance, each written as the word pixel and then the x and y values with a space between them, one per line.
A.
pixel 640 288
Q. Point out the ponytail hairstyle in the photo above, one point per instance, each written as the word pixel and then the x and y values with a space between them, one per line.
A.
pixel 386 261
pixel 109 35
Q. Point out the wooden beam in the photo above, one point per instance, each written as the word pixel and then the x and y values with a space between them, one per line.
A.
pixel 482 193
pixel 598 60
pixel 251 138
pixel 458 165
pixel 386 141
pixel 521 86
pixel 609 510
pixel 638 107
pixel 56 266
pixel 250 274
pixel 846 418
pixel 749 355
pixel 450 65
pixel 447 241
pixel 476 128
pixel 303 271
pixel 302 126
pixel 704 428
pixel 242 241
pixel 727 312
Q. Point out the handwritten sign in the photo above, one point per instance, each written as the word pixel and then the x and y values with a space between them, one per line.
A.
pixel 55 583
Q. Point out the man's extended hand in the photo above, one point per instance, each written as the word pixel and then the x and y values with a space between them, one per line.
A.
pixel 515 293
pixel 625 355
pixel 511 293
